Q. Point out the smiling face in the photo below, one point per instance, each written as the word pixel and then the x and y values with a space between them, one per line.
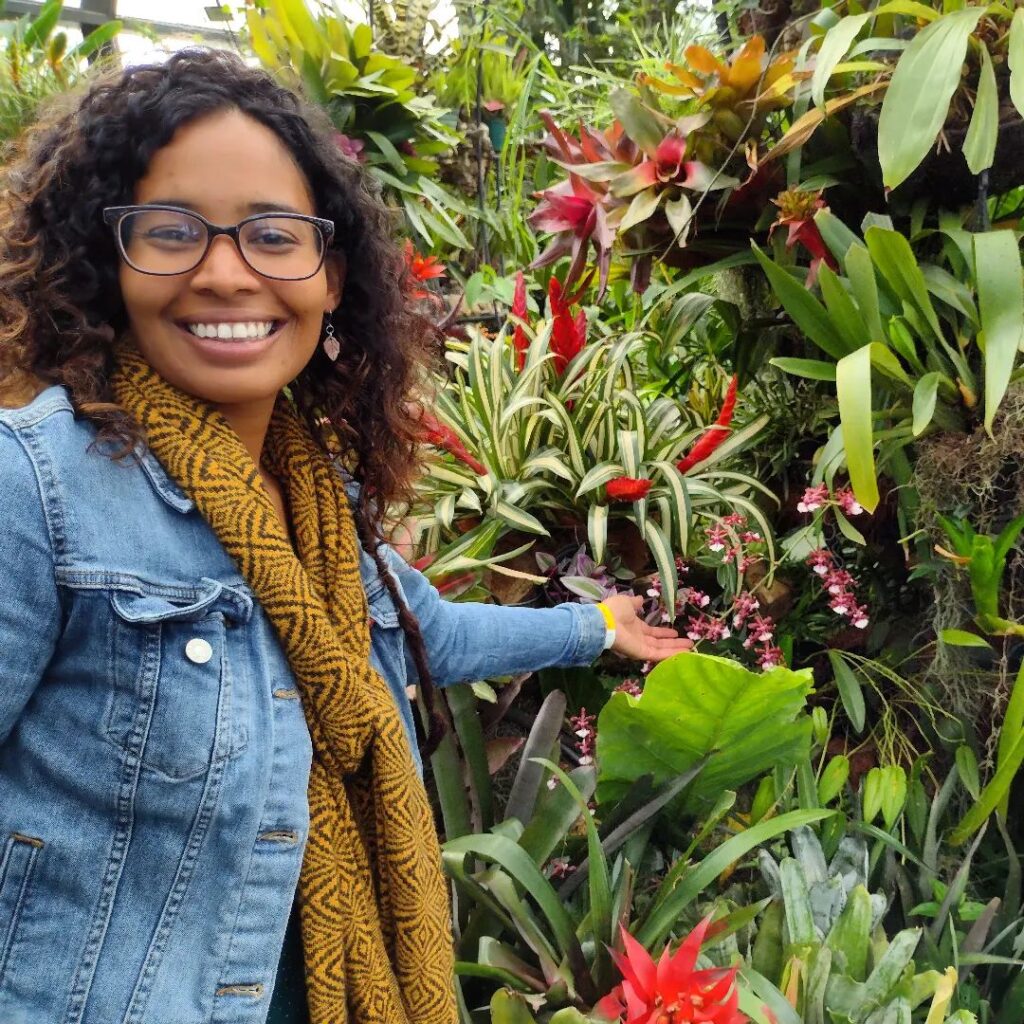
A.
pixel 223 332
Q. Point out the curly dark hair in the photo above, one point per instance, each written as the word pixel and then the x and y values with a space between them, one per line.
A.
pixel 61 311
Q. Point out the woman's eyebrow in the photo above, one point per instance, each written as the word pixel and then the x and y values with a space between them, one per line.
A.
pixel 261 207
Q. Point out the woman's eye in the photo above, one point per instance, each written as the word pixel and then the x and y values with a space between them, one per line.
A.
pixel 273 238
pixel 173 233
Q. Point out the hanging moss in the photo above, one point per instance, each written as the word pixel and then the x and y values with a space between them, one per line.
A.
pixel 980 479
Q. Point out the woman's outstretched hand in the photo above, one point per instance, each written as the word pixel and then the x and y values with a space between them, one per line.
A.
pixel 635 639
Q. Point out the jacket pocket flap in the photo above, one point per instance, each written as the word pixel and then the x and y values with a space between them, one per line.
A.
pixel 210 596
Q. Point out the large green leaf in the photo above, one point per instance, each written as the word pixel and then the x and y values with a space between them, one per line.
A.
pixel 853 385
pixel 1001 305
pixel 1016 60
pixel 894 258
pixel 1012 727
pixel 980 144
pixel 43 24
pixel 917 100
pixel 698 705
pixel 640 122
pixel 833 48
pixel 807 312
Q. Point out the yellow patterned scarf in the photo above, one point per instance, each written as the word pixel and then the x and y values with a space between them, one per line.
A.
pixel 375 923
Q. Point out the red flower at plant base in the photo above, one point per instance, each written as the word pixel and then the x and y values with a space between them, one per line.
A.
pixel 569 333
pixel 713 436
pixel 796 211
pixel 628 488
pixel 671 991
pixel 519 340
pixel 422 268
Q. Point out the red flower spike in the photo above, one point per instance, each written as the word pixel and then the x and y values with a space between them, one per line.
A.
pixel 715 435
pixel 569 333
pixel 628 488
pixel 673 992
pixel 796 211
pixel 443 437
pixel 421 268
pixel 519 340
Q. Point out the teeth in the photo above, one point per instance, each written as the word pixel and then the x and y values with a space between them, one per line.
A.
pixel 227 332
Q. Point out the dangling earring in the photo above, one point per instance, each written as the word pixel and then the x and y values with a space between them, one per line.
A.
pixel 331 344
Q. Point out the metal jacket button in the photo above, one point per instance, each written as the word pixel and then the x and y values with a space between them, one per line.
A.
pixel 198 650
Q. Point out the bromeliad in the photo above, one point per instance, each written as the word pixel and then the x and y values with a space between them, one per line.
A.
pixel 569 332
pixel 671 991
pixel 714 435
pixel 519 340
pixel 796 212
pixel 628 488
pixel 634 178
pixel 443 437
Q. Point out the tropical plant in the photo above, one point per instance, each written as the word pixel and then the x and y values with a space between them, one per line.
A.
pixel 540 908
pixel 36 62
pixel 820 953
pixel 376 101
pixel 487 57
pixel 633 182
pixel 740 92
pixel 926 89
pixel 698 708
pixel 555 436
pixel 912 347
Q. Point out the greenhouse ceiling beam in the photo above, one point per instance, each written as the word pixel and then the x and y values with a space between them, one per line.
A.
pixel 90 18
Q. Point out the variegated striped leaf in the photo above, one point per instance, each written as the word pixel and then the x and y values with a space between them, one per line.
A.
pixel 518 519
pixel 599 476
pixel 597 530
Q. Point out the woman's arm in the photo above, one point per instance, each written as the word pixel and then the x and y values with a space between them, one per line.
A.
pixel 29 603
pixel 470 641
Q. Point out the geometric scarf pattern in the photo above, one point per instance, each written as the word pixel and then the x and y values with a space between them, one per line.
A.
pixel 376 931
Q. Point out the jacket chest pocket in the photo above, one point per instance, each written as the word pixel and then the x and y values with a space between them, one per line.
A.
pixel 175 702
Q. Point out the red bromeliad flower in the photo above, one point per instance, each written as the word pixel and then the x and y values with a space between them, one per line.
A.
pixel 422 268
pixel 519 340
pixel 667 164
pixel 628 488
pixel 714 436
pixel 442 436
pixel 569 333
pixel 671 991
pixel 796 210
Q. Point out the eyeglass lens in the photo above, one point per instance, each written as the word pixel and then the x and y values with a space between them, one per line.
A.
pixel 166 242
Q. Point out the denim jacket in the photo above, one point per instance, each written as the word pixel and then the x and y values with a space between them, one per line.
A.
pixel 153 751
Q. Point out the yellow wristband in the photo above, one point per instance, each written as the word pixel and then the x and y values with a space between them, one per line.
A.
pixel 609 622
pixel 609 619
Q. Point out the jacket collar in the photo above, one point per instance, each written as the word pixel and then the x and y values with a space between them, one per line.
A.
pixel 163 484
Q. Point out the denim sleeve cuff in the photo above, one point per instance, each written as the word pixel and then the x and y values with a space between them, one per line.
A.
pixel 590 633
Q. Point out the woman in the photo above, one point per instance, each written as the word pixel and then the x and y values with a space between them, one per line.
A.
pixel 204 647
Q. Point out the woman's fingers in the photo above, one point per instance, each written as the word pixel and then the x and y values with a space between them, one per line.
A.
pixel 660 631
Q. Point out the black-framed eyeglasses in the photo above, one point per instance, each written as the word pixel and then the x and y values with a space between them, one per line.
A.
pixel 167 240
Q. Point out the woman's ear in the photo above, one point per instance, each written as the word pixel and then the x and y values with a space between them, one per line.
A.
pixel 335 266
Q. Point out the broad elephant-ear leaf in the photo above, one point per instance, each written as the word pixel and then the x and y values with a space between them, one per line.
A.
pixel 695 706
